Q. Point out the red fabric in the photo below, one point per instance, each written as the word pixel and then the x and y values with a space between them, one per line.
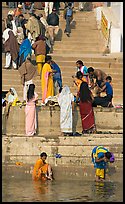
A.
pixel 87 115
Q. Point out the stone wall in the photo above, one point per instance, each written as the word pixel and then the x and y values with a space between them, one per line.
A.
pixel 106 119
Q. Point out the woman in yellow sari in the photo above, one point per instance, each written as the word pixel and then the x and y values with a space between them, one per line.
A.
pixel 47 79
pixel 42 170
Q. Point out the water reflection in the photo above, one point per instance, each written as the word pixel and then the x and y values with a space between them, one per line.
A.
pixel 18 190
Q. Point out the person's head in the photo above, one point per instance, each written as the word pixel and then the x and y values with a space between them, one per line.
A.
pixel 30 92
pixel 108 155
pixel 90 70
pixel 11 13
pixel 43 156
pixel 21 16
pixel 48 59
pixel 69 4
pixel 79 63
pixel 79 75
pixel 109 79
pixel 54 10
pixel 112 158
pixel 10 17
pixel 12 91
pixel 19 6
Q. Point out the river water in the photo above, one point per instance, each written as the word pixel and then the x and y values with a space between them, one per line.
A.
pixel 26 190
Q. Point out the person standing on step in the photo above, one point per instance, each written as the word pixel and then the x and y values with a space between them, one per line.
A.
pixel 48 8
pixel 11 47
pixel 57 78
pixel 86 109
pixel 68 15
pixel 40 51
pixel 53 25
pixel 27 72
pixel 47 79
pixel 66 103
pixel 30 111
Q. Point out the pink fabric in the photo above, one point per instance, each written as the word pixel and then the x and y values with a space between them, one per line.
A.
pixel 30 113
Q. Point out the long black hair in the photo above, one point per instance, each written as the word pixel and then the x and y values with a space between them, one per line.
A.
pixel 85 93
pixel 30 92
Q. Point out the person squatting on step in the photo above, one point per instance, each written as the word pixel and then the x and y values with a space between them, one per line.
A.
pixel 105 101
pixel 100 157
pixel 42 170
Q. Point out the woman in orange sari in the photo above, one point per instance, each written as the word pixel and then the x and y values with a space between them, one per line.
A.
pixel 42 170
pixel 47 79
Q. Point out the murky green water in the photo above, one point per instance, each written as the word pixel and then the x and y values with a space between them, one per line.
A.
pixel 18 190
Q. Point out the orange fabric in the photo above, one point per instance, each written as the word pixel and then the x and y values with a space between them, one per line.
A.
pixel 78 82
pixel 39 171
pixel 17 12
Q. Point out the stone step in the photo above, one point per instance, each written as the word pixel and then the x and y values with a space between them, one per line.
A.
pixel 50 123
pixel 85 58
pixel 71 153
pixel 77 48
pixel 70 51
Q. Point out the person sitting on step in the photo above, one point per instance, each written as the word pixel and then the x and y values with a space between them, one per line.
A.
pixel 105 101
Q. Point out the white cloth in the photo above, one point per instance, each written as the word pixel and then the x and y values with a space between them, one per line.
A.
pixel 25 89
pixel 5 35
pixel 43 20
pixel 65 100
pixel 14 27
pixel 11 97
pixel 8 61
pixel 48 7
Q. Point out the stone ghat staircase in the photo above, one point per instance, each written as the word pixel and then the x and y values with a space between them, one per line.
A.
pixel 86 44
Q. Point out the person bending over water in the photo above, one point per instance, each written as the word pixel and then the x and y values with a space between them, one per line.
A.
pixel 100 157
pixel 42 170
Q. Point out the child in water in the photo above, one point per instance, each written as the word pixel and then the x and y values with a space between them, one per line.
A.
pixel 100 157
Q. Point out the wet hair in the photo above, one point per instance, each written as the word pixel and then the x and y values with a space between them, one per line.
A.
pixel 108 155
pixel 43 154
pixel 109 78
pixel 30 92
pixel 90 69
pixel 79 75
pixel 80 62
pixel 48 58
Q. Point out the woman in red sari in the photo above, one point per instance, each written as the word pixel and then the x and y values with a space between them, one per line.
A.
pixel 86 109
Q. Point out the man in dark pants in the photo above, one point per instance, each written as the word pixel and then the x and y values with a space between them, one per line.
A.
pixel 68 15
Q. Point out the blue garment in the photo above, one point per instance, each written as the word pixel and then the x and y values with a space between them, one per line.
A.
pixel 57 76
pixel 109 90
pixel 69 12
pixel 25 50
pixel 101 164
